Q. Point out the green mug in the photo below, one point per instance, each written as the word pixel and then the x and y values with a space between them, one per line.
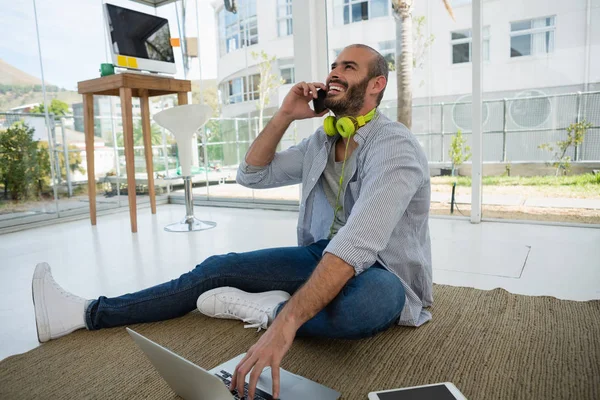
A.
pixel 107 69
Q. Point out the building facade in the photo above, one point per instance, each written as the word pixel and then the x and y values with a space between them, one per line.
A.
pixel 538 56
pixel 530 48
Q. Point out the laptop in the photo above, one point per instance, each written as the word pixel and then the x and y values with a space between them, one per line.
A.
pixel 192 382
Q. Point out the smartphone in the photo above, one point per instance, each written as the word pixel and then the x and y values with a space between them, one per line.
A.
pixel 437 391
pixel 319 102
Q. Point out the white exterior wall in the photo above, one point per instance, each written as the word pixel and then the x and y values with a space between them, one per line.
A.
pixel 439 78
pixel 594 30
pixel 563 67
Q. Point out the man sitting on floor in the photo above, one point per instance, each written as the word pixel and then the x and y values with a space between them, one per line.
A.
pixel 363 260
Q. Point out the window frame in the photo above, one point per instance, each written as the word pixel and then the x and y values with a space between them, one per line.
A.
pixel 239 28
pixel 292 68
pixel 287 5
pixel 246 93
pixel 532 31
pixel 253 92
pixel 469 39
pixel 340 5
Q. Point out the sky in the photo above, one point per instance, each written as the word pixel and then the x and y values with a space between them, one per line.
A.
pixel 73 38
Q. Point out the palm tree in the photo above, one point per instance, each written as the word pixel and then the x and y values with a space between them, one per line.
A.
pixel 138 135
pixel 404 70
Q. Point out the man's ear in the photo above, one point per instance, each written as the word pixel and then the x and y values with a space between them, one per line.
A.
pixel 378 84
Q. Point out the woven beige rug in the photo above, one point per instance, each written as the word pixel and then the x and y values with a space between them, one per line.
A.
pixel 491 344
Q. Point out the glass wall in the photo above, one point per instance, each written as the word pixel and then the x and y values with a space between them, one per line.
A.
pixel 541 137
pixel 255 70
pixel 440 115
pixel 43 165
pixel 73 50
pixel 541 124
pixel 43 162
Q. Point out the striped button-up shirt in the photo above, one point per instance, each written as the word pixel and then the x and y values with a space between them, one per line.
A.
pixel 386 204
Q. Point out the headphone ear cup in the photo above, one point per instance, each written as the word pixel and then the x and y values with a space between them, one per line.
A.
pixel 329 126
pixel 346 127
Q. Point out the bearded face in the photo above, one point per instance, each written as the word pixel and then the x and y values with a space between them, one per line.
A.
pixel 345 99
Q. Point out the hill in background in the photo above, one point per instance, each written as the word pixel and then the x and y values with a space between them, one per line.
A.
pixel 18 88
pixel 10 75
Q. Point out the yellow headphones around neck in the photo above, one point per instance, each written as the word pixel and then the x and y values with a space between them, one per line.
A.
pixel 346 126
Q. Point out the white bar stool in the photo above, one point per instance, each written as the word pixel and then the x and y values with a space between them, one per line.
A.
pixel 183 122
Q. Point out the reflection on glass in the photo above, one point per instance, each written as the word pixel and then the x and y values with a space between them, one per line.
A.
pixel 461 53
pixel 360 11
pixel 461 34
pixel 520 46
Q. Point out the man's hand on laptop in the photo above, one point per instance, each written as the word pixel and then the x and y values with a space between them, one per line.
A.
pixel 267 352
pixel 326 281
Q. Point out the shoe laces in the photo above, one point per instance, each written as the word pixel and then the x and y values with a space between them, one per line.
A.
pixel 64 293
pixel 258 317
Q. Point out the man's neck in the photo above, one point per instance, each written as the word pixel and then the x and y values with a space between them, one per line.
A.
pixel 363 111
pixel 340 148
pixel 366 109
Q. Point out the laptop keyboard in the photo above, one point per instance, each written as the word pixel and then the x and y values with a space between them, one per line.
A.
pixel 258 394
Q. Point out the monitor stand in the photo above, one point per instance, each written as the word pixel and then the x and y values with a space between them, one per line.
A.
pixel 121 70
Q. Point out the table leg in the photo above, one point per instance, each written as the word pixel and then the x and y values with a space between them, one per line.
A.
pixel 126 112
pixel 182 98
pixel 88 124
pixel 147 133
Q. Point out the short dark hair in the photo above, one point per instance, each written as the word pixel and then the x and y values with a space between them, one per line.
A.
pixel 377 67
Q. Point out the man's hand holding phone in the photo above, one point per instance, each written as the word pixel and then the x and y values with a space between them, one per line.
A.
pixel 295 105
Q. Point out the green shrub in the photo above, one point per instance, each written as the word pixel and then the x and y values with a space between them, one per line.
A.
pixel 459 151
pixel 23 163
pixel 575 134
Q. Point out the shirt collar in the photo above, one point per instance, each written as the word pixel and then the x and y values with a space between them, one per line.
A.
pixel 364 131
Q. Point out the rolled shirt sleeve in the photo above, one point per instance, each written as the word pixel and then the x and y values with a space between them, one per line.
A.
pixel 391 177
pixel 284 169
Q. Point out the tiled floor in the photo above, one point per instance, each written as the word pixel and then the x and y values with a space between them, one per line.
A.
pixel 109 260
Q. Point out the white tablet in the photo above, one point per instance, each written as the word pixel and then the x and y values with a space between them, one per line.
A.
pixel 437 391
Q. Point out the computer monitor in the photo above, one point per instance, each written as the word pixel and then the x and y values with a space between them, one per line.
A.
pixel 139 41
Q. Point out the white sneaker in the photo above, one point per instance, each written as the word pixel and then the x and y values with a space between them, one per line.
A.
pixel 232 303
pixel 57 312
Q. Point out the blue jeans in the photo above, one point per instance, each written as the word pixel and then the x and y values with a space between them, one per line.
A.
pixel 369 303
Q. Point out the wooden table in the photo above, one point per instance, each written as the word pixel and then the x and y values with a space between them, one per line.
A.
pixel 125 86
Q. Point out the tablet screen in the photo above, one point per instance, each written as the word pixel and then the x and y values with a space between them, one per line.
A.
pixel 437 392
